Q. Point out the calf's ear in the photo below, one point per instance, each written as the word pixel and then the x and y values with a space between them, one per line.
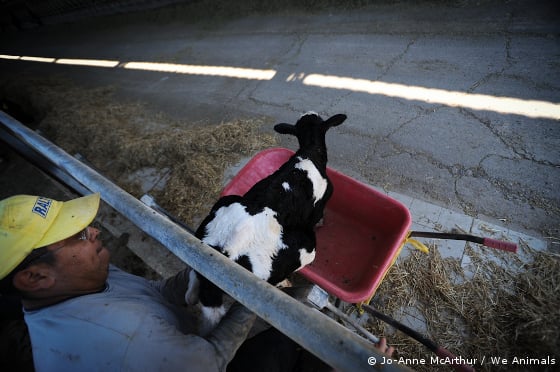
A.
pixel 284 128
pixel 335 120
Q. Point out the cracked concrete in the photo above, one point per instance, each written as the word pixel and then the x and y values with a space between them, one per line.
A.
pixel 491 165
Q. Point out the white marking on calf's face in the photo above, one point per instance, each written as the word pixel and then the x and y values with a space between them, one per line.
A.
pixel 319 183
pixel 286 186
pixel 309 113
pixel 258 237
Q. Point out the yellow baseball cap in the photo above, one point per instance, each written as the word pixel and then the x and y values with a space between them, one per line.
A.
pixel 28 222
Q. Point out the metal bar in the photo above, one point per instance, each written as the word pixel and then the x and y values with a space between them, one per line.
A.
pixel 488 242
pixel 40 162
pixel 151 202
pixel 328 340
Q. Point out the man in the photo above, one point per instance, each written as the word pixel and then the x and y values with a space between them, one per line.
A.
pixel 85 314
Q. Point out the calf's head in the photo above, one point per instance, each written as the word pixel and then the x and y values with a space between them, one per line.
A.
pixel 310 129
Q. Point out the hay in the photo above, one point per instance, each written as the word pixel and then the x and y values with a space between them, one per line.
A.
pixel 508 311
pixel 121 138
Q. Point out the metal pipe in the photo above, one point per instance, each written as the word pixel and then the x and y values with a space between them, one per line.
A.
pixel 328 340
pixel 40 162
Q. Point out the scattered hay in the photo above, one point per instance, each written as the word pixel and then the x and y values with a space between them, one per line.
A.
pixel 507 311
pixel 121 138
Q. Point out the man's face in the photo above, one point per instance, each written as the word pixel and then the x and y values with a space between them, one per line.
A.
pixel 82 263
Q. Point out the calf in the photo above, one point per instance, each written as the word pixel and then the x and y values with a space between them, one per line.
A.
pixel 270 230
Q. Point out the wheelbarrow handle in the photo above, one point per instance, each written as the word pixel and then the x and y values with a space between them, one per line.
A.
pixel 500 244
pixel 444 353
pixel 488 242
pixel 431 345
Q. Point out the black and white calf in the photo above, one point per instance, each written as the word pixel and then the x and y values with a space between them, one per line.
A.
pixel 270 230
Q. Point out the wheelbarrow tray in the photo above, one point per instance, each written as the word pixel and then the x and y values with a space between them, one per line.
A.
pixel 362 233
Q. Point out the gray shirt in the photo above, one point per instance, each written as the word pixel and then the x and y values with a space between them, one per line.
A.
pixel 133 325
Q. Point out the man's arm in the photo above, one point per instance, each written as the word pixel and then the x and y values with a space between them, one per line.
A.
pixel 159 345
pixel 173 289
pixel 231 332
